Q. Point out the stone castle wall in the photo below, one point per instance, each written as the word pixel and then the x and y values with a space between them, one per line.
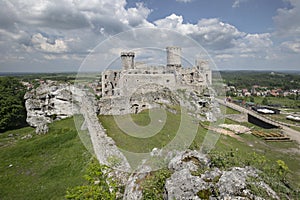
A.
pixel 119 85
pixel 130 82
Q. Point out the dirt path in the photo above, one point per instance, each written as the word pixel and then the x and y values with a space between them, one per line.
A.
pixel 295 135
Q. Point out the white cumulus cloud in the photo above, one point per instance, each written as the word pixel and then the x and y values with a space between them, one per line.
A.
pixel 237 3
pixel 66 30
pixel 291 46
pixel 42 43
pixel 287 20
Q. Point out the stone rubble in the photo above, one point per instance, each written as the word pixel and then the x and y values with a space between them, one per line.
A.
pixel 28 136
pixel 236 128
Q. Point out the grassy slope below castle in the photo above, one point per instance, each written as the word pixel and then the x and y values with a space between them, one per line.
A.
pixel 44 166
pixel 249 150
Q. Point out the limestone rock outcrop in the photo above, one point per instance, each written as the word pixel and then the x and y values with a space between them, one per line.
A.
pixel 50 101
pixel 193 177
pixel 187 183
pixel 151 96
pixel 146 97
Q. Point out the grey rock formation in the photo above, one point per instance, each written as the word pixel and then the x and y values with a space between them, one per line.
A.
pixel 183 185
pixel 50 101
pixel 190 160
pixel 233 183
pixel 41 128
pixel 103 146
pixel 146 97
pixel 155 96
pixel 133 190
pixel 186 183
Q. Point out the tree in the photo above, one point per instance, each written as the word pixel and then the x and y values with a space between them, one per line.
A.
pixel 12 104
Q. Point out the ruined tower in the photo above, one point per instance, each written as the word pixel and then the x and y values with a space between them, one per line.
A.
pixel 204 69
pixel 127 60
pixel 173 56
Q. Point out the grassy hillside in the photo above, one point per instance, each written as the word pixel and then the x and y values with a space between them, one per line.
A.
pixel 244 149
pixel 44 166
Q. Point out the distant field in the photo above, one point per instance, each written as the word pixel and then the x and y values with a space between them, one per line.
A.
pixel 44 166
pixel 282 101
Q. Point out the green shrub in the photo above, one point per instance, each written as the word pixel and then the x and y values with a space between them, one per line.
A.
pixel 99 186
pixel 153 185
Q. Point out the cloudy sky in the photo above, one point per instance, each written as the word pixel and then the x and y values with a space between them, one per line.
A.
pixel 57 35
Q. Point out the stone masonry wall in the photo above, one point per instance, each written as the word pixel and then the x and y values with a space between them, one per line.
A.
pixel 104 146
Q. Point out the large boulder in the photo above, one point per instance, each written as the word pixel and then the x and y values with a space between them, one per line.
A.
pixel 193 178
pixel 183 185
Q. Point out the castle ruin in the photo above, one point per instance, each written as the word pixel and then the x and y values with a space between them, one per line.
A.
pixel 119 85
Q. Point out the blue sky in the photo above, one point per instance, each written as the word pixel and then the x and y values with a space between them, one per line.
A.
pixel 52 35
pixel 253 16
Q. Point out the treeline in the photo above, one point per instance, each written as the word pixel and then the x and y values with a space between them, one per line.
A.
pixel 246 79
pixel 12 104
pixel 61 77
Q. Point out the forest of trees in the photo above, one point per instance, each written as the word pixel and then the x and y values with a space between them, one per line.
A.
pixel 12 104
pixel 246 79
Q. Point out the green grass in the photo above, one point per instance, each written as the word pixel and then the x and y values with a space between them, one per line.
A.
pixel 227 110
pixel 272 151
pixel 281 118
pixel 142 119
pixel 44 166
pixel 297 128
pixel 283 101
pixel 159 140
pixel 141 145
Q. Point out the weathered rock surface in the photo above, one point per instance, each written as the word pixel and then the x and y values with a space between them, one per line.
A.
pixel 42 128
pixel 193 178
pixel 104 147
pixel 50 101
pixel 155 96
pixel 212 183
pixel 133 190
pixel 190 160
pixel 183 185
pixel 147 97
